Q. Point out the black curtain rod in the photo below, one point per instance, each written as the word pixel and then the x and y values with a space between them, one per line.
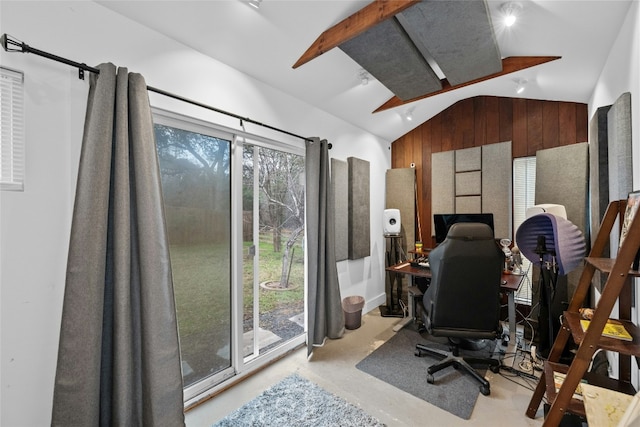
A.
pixel 11 44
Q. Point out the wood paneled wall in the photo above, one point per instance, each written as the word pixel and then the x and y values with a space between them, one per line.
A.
pixel 530 124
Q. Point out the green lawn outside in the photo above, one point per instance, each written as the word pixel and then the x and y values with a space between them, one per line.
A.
pixel 201 275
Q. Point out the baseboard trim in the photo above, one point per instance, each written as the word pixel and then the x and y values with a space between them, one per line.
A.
pixel 374 303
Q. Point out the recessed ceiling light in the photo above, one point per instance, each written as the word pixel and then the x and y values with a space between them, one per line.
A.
pixel 521 85
pixel 255 3
pixel 363 76
pixel 510 12
pixel 408 115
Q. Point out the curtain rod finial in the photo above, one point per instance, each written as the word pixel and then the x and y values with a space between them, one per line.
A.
pixel 8 41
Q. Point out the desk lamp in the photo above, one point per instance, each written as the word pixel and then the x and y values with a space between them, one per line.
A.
pixel 557 246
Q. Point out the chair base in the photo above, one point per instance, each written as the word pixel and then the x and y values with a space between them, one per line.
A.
pixel 451 358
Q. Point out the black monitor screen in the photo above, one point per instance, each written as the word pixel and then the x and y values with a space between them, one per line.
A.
pixel 442 222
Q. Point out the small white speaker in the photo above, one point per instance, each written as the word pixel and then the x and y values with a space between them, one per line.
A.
pixel 391 221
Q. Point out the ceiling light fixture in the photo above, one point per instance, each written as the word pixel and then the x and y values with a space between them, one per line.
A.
pixel 408 115
pixel 255 3
pixel 521 83
pixel 363 76
pixel 510 12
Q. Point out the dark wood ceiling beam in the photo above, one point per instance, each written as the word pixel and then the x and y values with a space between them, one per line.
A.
pixel 509 65
pixel 356 24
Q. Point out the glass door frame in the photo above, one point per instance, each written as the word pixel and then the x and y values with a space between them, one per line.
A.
pixel 178 121
pixel 240 366
pixel 255 360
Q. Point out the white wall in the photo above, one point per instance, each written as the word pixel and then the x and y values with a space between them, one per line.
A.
pixel 34 224
pixel 620 74
pixel 354 275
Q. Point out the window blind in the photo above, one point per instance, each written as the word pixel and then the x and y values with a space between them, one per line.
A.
pixel 12 156
pixel 524 194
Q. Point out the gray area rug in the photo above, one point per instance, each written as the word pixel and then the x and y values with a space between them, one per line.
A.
pixel 295 401
pixel 395 363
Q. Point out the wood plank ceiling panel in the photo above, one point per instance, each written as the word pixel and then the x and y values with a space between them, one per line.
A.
pixel 509 65
pixel 359 22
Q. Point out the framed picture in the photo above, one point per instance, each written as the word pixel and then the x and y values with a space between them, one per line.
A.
pixel 633 202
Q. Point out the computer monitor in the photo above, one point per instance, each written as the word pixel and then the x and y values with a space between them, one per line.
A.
pixel 442 222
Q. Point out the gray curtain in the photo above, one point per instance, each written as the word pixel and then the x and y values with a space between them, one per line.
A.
pixel 118 359
pixel 325 315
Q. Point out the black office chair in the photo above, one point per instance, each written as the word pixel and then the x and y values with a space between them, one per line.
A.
pixel 463 301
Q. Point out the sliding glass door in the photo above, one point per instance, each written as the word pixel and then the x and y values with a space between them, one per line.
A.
pixel 273 236
pixel 235 221
pixel 196 182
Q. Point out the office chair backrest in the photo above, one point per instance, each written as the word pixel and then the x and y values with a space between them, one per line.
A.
pixel 466 271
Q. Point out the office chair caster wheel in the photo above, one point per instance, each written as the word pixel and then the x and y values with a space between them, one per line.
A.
pixel 430 379
pixel 494 369
pixel 485 390
pixel 418 353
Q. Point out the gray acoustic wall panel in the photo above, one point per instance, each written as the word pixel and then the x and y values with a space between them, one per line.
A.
pixel 340 191
pixel 359 208
pixel 442 183
pixel 468 204
pixel 464 51
pixel 562 175
pixel 400 194
pixel 598 166
pixel 474 180
pixel 497 178
pixel 619 142
pixel 468 159
pixel 386 52
pixel 619 153
pixel 468 183
pixel 598 178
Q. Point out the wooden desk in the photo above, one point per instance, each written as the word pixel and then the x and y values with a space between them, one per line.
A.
pixel 421 252
pixel 509 284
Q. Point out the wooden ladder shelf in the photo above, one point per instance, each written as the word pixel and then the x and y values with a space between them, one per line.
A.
pixel 619 274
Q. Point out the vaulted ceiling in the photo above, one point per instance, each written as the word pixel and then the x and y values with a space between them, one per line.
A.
pixel 402 43
pixel 570 38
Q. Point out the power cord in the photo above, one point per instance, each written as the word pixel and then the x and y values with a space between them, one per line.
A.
pixel 404 307
pixel 526 366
